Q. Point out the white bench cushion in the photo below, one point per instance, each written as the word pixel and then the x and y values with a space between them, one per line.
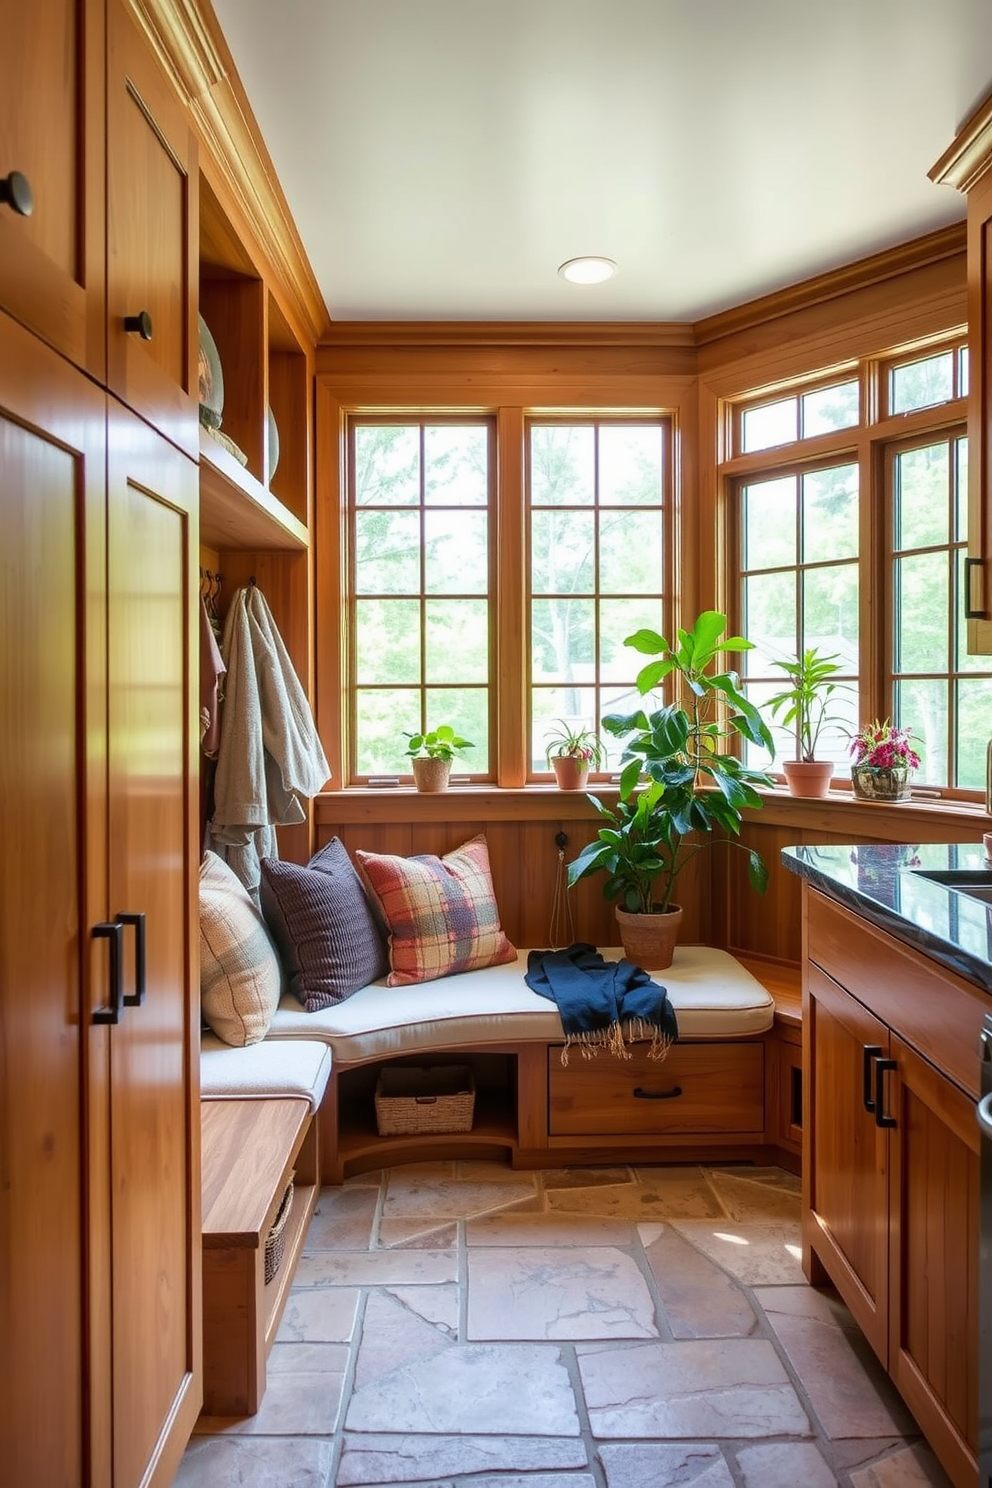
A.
pixel 713 995
pixel 282 1070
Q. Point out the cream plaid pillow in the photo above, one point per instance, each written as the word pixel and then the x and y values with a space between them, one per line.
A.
pixel 240 977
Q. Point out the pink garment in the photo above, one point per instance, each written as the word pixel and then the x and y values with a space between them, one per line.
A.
pixel 212 669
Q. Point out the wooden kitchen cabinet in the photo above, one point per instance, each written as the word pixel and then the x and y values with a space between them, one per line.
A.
pixel 891 1167
pixel 99 1118
pixel 52 135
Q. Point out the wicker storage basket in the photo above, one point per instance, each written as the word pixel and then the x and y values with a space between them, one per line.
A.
pixel 424 1098
pixel 275 1241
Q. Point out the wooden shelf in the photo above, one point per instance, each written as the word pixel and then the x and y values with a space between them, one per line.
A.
pixel 494 1126
pixel 237 511
pixel 305 1197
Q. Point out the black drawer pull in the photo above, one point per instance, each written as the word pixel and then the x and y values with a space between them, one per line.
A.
pixel 643 1094
pixel 16 193
pixel 114 932
pixel 869 1052
pixel 880 1117
pixel 137 997
pixel 139 325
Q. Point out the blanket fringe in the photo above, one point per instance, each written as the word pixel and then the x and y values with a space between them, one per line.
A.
pixel 617 1038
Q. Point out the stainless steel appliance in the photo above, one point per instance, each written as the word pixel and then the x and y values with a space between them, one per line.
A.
pixel 985 1267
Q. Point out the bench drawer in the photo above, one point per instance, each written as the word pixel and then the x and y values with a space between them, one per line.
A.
pixel 697 1088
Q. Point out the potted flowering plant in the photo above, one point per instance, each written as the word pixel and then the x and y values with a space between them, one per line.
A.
pixel 572 753
pixel 884 759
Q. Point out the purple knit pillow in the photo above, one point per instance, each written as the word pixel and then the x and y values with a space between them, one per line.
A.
pixel 329 941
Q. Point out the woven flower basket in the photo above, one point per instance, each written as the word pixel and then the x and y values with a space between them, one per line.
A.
pixel 275 1241
pixel 424 1098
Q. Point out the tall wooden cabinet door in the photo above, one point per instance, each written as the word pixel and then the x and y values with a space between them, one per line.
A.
pixel 52 257
pixel 934 1164
pixel 154 1081
pixel 846 1222
pixel 152 239
pixel 52 459
pixel 978 596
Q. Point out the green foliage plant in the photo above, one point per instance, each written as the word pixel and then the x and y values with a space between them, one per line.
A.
pixel 695 784
pixel 440 743
pixel 581 744
pixel 806 700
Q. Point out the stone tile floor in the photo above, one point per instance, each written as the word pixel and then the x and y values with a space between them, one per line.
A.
pixel 457 1323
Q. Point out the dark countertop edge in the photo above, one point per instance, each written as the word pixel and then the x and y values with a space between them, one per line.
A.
pixel 945 952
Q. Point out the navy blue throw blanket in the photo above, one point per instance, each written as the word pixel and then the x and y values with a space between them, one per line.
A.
pixel 602 1002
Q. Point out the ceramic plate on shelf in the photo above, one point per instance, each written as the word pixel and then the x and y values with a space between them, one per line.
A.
pixel 211 379
pixel 273 446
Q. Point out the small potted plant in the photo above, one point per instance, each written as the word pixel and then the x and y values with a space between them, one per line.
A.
pixel 572 753
pixel 805 704
pixel 884 759
pixel 432 753
pixel 696 785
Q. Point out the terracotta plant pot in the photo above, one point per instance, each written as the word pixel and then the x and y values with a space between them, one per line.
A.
pixel 431 775
pixel 808 777
pixel 649 939
pixel 571 774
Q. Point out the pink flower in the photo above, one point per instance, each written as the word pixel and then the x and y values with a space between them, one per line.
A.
pixel 884 745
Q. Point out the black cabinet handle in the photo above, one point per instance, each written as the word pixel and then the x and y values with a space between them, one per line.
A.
pixel 870 1052
pixel 16 193
pixel 880 1118
pixel 137 997
pixel 114 932
pixel 642 1094
pixel 139 325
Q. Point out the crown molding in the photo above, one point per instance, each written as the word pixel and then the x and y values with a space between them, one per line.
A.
pixel 189 44
pixel 509 333
pixel 864 273
pixel 970 153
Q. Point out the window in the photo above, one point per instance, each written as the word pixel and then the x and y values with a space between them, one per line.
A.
pixel 856 545
pixel 596 502
pixel 420 587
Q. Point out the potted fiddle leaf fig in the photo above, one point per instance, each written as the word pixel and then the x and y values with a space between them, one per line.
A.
pixel 805 704
pixel 682 786
pixel 431 754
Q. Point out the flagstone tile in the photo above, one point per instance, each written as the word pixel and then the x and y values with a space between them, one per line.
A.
pixel 700 1300
pixel 383 1459
pixel 744 1199
pixel 343 1219
pixel 489 1171
pixel 376 1268
pixel 294 1404
pixel 846 1385
pixel 478 1389
pixel 565 1230
pixel 665 1465
pixel 394 1335
pixel 908 1467
pixel 554 1294
pixel 783 1465
pixel 410 1194
pixel 733 1387
pixel 587 1177
pixel 308 1358
pixel 668 1193
pixel 240 1462
pixel 755 1254
pixel 770 1177
pixel 314 1316
pixel 417 1234
pixel 439 1305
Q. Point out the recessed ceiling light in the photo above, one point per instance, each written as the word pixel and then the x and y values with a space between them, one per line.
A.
pixel 587 270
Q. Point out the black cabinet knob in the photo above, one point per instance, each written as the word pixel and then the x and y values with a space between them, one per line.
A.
pixel 139 325
pixel 16 193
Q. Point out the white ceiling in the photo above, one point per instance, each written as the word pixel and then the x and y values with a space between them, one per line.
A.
pixel 442 157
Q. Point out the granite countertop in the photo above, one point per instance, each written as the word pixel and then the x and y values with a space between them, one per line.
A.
pixel 884 883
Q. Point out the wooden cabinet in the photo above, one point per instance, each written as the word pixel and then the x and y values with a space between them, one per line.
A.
pixel 99 1203
pixel 891 1166
pixel 967 164
pixel 52 261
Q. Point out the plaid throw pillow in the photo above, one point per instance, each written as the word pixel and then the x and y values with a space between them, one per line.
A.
pixel 240 979
pixel 441 913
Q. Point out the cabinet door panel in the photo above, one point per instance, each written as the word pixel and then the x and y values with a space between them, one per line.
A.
pixel 51 131
pixel 51 502
pixel 152 232
pixel 846 1155
pixel 935 1207
pixel 155 1238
